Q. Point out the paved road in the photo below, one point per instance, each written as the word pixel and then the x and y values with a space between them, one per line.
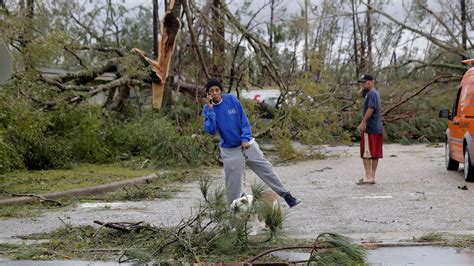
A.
pixel 414 195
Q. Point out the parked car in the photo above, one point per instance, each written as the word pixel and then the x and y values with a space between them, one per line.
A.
pixel 269 96
pixel 460 132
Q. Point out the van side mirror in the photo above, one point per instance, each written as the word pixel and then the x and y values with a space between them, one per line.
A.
pixel 444 114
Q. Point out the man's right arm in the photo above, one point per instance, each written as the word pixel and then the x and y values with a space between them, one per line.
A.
pixel 209 120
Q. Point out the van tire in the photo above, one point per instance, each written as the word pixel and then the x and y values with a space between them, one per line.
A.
pixel 451 164
pixel 468 168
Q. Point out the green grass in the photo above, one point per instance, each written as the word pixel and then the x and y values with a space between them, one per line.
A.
pixel 21 211
pixel 91 243
pixel 462 241
pixel 41 182
pixel 431 237
pixel 141 192
pixel 450 240
pixel 84 175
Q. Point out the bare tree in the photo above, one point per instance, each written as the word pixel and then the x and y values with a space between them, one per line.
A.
pixel 28 13
pixel 463 26
pixel 369 37
pixel 271 27
pixel 354 34
pixel 218 39
pixel 306 30
pixel 448 46
pixel 156 23
pixel 194 38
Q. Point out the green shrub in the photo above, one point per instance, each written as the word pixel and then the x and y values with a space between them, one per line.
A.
pixel 27 139
pixel 34 139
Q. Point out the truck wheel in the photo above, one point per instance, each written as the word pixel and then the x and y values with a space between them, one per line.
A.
pixel 451 164
pixel 468 168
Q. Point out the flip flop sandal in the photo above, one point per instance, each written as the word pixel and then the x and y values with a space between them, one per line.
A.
pixel 362 182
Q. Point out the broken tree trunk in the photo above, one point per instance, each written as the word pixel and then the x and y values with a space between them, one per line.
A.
pixel 170 30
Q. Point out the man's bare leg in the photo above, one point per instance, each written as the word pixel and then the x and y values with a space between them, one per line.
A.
pixel 368 169
pixel 374 164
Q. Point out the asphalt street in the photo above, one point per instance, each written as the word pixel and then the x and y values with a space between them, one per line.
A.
pixel 414 195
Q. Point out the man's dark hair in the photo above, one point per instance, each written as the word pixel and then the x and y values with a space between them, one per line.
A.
pixel 213 82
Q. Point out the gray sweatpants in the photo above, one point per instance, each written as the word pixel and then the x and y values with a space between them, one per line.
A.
pixel 234 167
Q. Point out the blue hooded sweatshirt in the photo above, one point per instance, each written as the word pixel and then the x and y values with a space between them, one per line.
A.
pixel 228 119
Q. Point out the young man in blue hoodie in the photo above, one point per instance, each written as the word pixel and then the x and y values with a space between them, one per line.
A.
pixel 224 114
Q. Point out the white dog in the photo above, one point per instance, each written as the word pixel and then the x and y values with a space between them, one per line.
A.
pixel 243 206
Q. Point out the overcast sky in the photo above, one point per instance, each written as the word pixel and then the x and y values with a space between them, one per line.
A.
pixel 293 6
pixel 396 8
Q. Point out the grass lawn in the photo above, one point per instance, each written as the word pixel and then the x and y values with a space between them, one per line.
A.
pixel 84 175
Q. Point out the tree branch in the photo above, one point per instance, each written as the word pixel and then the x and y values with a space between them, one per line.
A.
pixel 86 75
pixel 448 30
pixel 79 60
pixel 237 47
pixel 442 78
pixel 428 36
pixel 101 48
pixel 125 80
pixel 87 29
pixel 258 45
pixel 194 39
pixel 191 89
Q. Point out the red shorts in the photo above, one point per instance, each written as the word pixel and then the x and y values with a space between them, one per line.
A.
pixel 371 146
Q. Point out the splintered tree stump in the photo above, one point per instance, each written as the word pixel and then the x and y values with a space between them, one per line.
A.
pixel 170 30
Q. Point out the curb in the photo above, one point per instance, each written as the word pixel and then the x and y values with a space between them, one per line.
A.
pixel 80 191
pixel 375 245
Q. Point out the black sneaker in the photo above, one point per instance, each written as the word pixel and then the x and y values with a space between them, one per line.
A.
pixel 290 200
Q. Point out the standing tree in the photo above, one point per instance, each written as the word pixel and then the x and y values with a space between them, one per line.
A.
pixel 354 34
pixel 218 40
pixel 368 33
pixel 306 32
pixel 463 26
